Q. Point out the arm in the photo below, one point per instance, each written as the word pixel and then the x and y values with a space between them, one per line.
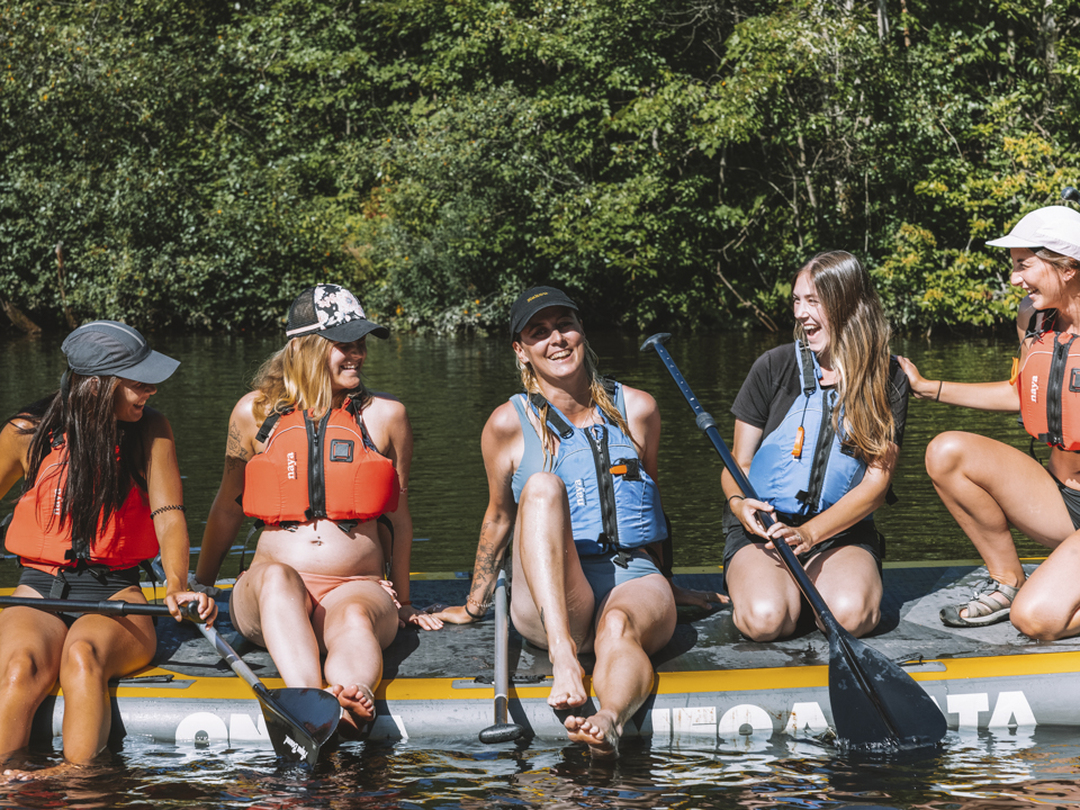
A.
pixel 226 513
pixel 166 495
pixel 745 443
pixel 399 450
pixel 861 500
pixel 990 396
pixel 14 448
pixel 500 439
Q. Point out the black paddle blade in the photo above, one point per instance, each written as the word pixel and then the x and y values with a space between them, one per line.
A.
pixel 876 706
pixel 295 739
pixel 501 732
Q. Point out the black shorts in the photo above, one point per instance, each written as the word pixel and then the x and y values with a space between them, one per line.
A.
pixel 863 534
pixel 1072 502
pixel 86 584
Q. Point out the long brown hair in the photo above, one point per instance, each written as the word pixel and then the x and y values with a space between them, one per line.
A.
pixel 859 347
pixel 297 376
pixel 104 455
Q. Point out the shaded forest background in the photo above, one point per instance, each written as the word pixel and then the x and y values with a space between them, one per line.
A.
pixel 669 162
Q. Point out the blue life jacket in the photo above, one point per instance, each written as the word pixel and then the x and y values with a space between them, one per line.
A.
pixel 825 470
pixel 614 503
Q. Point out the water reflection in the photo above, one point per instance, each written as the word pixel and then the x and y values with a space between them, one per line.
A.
pixel 1011 769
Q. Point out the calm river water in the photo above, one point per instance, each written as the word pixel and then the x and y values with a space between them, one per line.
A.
pixel 450 385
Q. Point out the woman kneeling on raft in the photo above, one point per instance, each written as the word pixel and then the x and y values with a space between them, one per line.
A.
pixel 582 577
pixel 818 425
pixel 987 485
pixel 102 494
pixel 317 583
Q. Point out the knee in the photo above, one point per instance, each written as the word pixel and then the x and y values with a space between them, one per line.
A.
pixel 856 617
pixel 278 577
pixel 763 620
pixel 614 625
pixel 81 663
pixel 22 670
pixel 543 490
pixel 944 453
pixel 1036 621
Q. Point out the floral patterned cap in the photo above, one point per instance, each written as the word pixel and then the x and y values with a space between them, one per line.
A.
pixel 331 312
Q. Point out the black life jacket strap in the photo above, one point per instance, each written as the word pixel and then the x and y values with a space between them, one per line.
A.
pixel 1055 387
pixel 268 425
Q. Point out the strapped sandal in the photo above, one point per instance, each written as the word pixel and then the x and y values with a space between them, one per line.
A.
pixel 983 609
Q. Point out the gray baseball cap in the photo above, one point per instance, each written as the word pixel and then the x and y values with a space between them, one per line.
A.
pixel 114 348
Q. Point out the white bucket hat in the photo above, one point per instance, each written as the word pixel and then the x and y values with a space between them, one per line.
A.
pixel 1055 227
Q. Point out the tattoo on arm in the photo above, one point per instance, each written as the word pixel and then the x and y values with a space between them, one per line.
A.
pixel 234 448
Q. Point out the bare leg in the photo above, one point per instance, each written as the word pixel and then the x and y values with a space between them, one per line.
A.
pixel 97 649
pixel 271 606
pixel 986 485
pixel 1048 606
pixel 765 600
pixel 355 621
pixel 552 603
pixel 848 580
pixel 636 619
pixel 30 649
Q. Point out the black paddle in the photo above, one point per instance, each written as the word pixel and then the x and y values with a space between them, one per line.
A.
pixel 501 731
pixel 294 739
pixel 875 704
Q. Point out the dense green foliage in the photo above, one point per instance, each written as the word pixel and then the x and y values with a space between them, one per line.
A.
pixel 670 162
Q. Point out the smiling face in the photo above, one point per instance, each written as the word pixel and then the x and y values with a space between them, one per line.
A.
pixel 1040 279
pixel 552 342
pixel 346 361
pixel 130 399
pixel 810 314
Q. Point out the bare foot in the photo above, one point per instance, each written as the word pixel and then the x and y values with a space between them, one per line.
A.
pixel 598 732
pixel 567 687
pixel 358 707
pixel 18 775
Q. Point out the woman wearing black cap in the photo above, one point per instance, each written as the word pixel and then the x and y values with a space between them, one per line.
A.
pixel 989 486
pixel 322 462
pixel 583 576
pixel 102 495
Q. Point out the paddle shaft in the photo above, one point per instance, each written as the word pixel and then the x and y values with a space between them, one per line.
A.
pixel 501 731
pixel 107 607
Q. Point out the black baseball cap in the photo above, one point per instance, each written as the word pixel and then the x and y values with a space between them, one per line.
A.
pixel 111 347
pixel 532 301
pixel 331 312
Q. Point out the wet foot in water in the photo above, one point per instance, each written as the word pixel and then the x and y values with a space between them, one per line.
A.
pixel 598 732
pixel 358 708
pixel 11 775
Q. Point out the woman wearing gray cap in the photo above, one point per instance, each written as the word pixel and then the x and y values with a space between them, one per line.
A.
pixel 988 485
pixel 322 461
pixel 572 467
pixel 102 495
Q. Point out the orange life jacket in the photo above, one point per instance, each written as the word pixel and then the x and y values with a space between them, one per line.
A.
pixel 41 541
pixel 315 468
pixel 1048 383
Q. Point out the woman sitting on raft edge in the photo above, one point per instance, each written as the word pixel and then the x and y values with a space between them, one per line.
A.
pixel 316 583
pixel 818 428
pixel 989 486
pixel 582 577
pixel 102 495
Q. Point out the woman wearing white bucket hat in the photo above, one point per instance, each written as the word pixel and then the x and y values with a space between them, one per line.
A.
pixel 989 486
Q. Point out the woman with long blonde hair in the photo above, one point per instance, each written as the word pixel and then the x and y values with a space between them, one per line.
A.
pixel 818 425
pixel 572 468
pixel 324 463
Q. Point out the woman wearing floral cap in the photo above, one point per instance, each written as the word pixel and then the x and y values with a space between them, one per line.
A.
pixel 324 464
pixel 101 496
pixel 989 486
